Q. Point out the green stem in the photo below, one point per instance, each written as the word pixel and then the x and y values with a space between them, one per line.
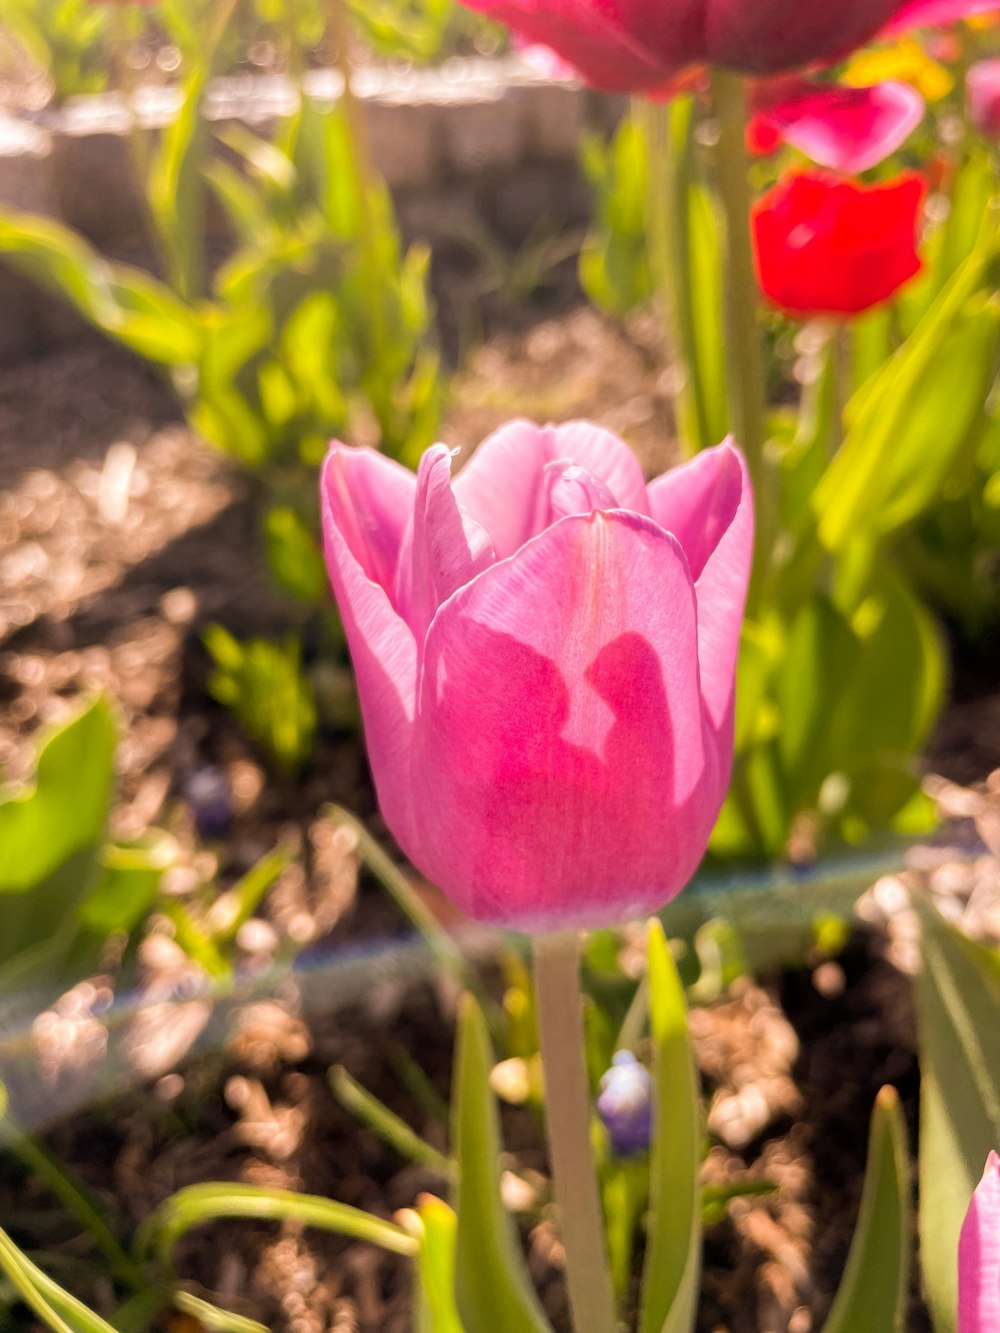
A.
pixel 746 364
pixel 567 1111
pixel 667 129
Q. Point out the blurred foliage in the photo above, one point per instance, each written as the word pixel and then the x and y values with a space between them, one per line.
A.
pixel 887 481
pixel 66 39
pixel 264 685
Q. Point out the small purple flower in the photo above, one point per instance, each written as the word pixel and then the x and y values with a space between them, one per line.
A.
pixel 207 793
pixel 625 1104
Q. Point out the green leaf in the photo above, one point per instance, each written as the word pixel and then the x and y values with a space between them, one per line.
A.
pixel 199 1204
pixel 65 808
pixel 120 300
pixel 387 1125
pixel 264 685
pixel 51 832
pixel 57 1309
pixel 492 1287
pixel 437 1226
pixel 673 1244
pixel 210 1317
pixel 958 1000
pixel 873 1291
pixel 174 188
pixel 908 423
pixel 294 558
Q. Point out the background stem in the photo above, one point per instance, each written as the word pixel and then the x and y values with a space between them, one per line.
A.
pixel 667 126
pixel 743 339
pixel 567 1111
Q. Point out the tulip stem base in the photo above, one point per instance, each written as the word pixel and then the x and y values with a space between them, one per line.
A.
pixel 568 1118
pixel 744 353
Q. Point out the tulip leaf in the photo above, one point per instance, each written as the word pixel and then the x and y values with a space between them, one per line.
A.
pixel 492 1287
pixel 196 1205
pixel 908 423
pixel 958 999
pixel 51 833
pixel 56 1308
pixel 436 1311
pixel 874 1288
pixel 673 1244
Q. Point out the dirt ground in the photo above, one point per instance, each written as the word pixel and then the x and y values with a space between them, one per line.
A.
pixel 121 537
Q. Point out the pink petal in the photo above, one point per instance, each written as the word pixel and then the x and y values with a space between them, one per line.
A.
pixel 560 727
pixel 982 86
pixel 604 54
pixel 372 500
pixel 572 490
pixel 503 485
pixel 708 505
pixel 934 13
pixel 443 549
pixel 847 129
pixel 979 1256
pixel 383 650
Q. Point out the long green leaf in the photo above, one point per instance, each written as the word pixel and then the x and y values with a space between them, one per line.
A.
pixel 56 1308
pixel 673 1244
pixel 958 1000
pixel 435 1297
pixel 198 1204
pixel 874 1288
pixel 389 1126
pixel 492 1287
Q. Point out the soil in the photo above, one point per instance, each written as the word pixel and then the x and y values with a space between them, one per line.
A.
pixel 121 538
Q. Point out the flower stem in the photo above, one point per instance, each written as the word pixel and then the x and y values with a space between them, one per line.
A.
pixel 567 1110
pixel 668 234
pixel 746 363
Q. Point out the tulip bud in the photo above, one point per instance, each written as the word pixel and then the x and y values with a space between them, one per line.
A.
pixel 545 653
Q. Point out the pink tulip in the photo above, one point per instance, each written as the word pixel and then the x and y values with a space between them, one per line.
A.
pixel 982 86
pixel 979 1256
pixel 545 652
pixel 845 129
pixel 635 46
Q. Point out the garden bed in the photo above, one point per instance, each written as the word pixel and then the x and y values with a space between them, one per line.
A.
pixel 121 537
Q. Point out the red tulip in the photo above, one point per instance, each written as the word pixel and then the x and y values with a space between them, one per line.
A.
pixel 846 129
pixel 545 652
pixel 642 45
pixel 828 246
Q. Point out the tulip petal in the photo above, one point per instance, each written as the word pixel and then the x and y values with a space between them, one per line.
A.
pixel 443 548
pixel 572 490
pixel 708 505
pixel 934 13
pixel 847 129
pixel 504 484
pixel 559 727
pixel 371 501
pixel 604 53
pixel 383 650
pixel 979 1256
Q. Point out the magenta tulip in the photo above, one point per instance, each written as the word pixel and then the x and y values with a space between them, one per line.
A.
pixel 545 652
pixel 979 1256
pixel 982 86
pixel 637 46
pixel 846 129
